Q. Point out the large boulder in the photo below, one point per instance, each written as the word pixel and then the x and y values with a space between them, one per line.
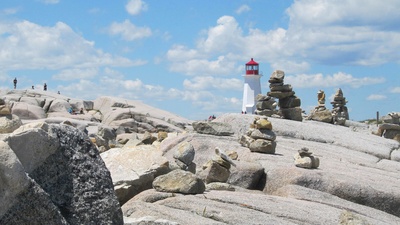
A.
pixel 213 128
pixel 68 167
pixel 9 123
pixel 248 175
pixel 23 201
pixel 28 111
pixel 179 181
pixel 133 169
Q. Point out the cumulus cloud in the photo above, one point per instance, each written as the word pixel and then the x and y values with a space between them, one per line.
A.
pixel 375 97
pixel 395 90
pixel 242 9
pixel 30 46
pixel 50 1
pixel 203 67
pixel 128 31
pixel 330 33
pixel 335 80
pixel 135 7
pixel 209 82
pixel 74 74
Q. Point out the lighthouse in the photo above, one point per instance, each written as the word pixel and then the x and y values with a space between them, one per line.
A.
pixel 251 88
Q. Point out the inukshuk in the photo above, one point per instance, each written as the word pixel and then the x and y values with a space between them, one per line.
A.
pixel 266 105
pixel 289 104
pixel 260 137
pixel 339 112
pixel 321 113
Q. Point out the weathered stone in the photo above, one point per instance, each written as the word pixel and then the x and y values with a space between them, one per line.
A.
pixel 27 111
pixel 245 140
pixel 133 169
pixel 148 138
pixel 70 171
pixel 4 110
pixel 289 102
pixel 282 88
pixel 184 152
pixel 270 104
pixel 261 97
pixel 213 128
pixel 266 112
pixel 263 146
pixel 266 134
pixel 262 123
pixel 179 181
pixel 280 94
pixel 247 175
pixel 308 162
pixel 292 113
pixel 278 75
pixel 214 172
pixel 321 116
pixel 162 135
pixel 9 123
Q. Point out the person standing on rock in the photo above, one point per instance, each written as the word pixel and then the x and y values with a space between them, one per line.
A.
pixel 45 87
pixel 15 83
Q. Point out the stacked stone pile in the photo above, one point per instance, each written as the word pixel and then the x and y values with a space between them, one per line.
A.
pixel 320 112
pixel 305 159
pixel 266 105
pixel 260 137
pixel 184 156
pixel 289 104
pixel 339 112
pixel 217 169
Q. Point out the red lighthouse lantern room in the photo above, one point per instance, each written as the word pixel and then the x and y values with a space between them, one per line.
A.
pixel 252 67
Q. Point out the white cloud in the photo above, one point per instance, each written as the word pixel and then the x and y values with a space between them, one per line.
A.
pixel 203 67
pixel 74 74
pixel 9 11
pixel 134 7
pixel 129 31
pixel 395 90
pixel 203 83
pixel 31 46
pixel 242 9
pixel 50 1
pixel 335 80
pixel 375 97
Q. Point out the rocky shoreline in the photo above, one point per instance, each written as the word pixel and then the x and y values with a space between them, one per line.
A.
pixel 123 162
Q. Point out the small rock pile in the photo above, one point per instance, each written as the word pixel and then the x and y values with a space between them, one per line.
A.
pixel 305 159
pixel 260 137
pixel 321 113
pixel 8 121
pixel 266 105
pixel 217 169
pixel 339 112
pixel 184 156
pixel 289 104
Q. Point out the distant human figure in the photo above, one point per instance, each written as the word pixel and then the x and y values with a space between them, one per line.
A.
pixel 15 83
pixel 81 111
pixel 45 87
pixel 33 87
pixel 58 92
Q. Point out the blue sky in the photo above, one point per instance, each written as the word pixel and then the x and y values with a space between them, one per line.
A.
pixel 188 57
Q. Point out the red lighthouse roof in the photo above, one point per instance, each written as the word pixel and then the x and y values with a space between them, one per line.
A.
pixel 252 62
pixel 252 67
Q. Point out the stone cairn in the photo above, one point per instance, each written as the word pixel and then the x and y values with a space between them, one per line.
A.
pixel 183 156
pixel 265 105
pixel 289 104
pixel 304 159
pixel 321 113
pixel 260 137
pixel 339 112
pixel 217 169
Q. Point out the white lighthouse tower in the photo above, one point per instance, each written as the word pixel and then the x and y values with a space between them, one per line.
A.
pixel 251 88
